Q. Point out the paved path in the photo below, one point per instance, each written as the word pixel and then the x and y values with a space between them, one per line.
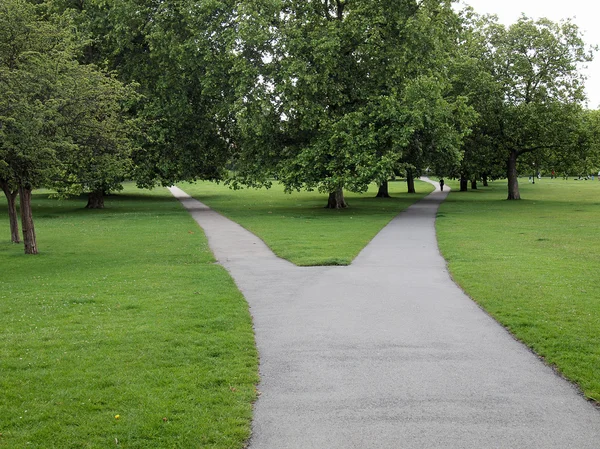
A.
pixel 388 352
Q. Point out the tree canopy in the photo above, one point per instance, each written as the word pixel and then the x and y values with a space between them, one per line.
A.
pixel 52 112
pixel 323 94
pixel 341 93
pixel 529 90
pixel 96 120
pixel 179 54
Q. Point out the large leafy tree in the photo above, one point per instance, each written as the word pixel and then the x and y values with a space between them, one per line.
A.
pixel 470 76
pixel 96 120
pixel 532 98
pixel 180 55
pixel 340 92
pixel 32 52
pixel 51 110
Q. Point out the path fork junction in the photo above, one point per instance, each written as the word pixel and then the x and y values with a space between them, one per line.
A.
pixel 388 352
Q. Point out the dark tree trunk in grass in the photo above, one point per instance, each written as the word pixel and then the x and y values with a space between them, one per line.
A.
pixel 513 182
pixel 473 184
pixel 95 200
pixel 11 198
pixel 464 183
pixel 336 200
pixel 410 181
pixel 383 190
pixel 27 221
pixel 485 181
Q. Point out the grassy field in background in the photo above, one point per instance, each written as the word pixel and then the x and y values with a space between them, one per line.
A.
pixel 534 265
pixel 298 228
pixel 123 313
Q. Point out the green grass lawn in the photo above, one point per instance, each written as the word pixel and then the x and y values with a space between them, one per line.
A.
pixel 123 313
pixel 298 228
pixel 534 265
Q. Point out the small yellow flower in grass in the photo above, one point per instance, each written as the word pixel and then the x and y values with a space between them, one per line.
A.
pixel 117 416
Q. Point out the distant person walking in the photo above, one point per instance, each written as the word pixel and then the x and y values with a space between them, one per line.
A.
pixel 442 185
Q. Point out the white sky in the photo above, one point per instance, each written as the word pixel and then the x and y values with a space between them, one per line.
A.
pixel 585 13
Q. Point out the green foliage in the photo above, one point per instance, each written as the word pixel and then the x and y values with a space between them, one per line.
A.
pixel 180 54
pixel 584 158
pixel 60 122
pixel 533 265
pixel 297 227
pixel 32 54
pixel 341 91
pixel 124 312
pixel 525 84
pixel 96 121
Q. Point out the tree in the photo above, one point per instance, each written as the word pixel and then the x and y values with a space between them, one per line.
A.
pixel 470 77
pixel 341 90
pixel 590 142
pixel 11 192
pixel 538 101
pixel 584 158
pixel 180 55
pixel 51 107
pixel 102 133
pixel 31 51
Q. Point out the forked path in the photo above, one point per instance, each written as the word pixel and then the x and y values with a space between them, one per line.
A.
pixel 388 352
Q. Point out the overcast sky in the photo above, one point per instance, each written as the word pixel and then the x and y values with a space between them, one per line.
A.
pixel 585 13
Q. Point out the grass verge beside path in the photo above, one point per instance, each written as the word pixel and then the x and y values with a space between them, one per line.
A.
pixel 534 265
pixel 123 313
pixel 298 228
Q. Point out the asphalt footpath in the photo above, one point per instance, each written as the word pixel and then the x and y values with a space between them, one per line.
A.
pixel 388 352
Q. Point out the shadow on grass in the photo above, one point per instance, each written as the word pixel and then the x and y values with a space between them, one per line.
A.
pixel 310 211
pixel 497 197
pixel 46 207
pixel 146 195
pixel 211 196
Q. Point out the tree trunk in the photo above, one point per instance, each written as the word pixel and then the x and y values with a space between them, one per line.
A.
pixel 95 200
pixel 473 184
pixel 336 200
pixel 410 181
pixel 464 182
pixel 27 221
pixel 513 182
pixel 485 181
pixel 383 190
pixel 11 197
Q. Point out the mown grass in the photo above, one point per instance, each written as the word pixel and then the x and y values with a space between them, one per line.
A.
pixel 123 313
pixel 534 265
pixel 298 228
